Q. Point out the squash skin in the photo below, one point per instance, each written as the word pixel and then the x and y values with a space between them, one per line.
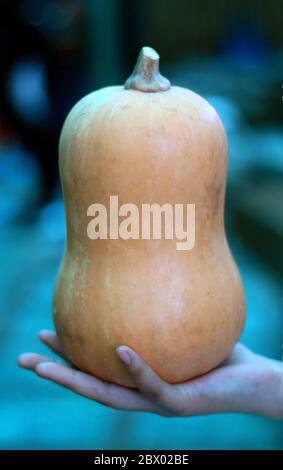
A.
pixel 182 311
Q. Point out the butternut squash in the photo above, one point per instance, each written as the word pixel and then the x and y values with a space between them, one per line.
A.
pixel 181 310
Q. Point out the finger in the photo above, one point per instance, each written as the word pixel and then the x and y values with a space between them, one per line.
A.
pixel 161 393
pixel 50 339
pixel 31 360
pixel 93 388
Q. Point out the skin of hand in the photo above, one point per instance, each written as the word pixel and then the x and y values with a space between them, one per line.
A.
pixel 244 383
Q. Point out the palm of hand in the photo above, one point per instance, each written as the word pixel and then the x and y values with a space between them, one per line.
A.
pixel 240 384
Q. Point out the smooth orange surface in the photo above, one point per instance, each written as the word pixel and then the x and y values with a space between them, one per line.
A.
pixel 181 310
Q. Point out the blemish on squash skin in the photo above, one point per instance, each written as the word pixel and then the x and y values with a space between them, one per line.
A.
pixel 84 114
pixel 174 110
pixel 213 199
pixel 74 338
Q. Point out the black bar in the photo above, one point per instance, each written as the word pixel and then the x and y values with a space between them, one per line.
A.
pixel 129 458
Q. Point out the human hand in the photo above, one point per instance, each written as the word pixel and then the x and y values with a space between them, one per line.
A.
pixel 245 383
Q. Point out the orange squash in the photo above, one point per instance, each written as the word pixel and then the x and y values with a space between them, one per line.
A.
pixel 181 310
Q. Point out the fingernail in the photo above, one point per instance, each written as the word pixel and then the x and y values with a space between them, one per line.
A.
pixel 124 355
pixel 43 333
pixel 43 367
pixel 23 359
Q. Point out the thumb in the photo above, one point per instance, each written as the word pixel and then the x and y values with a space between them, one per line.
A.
pixel 161 393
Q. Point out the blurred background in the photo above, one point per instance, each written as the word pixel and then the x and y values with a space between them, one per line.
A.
pixel 52 53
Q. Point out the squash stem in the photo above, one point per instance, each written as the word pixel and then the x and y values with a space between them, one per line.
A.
pixel 146 76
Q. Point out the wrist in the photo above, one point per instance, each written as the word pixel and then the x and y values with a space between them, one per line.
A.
pixel 279 390
pixel 271 398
